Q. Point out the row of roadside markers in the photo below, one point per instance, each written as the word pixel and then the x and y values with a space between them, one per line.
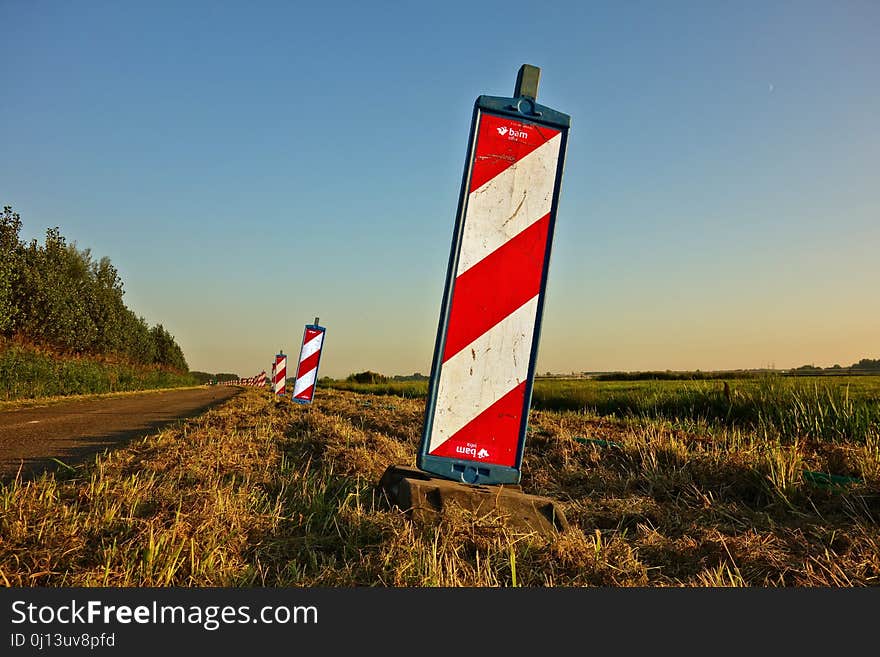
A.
pixel 258 381
pixel 306 372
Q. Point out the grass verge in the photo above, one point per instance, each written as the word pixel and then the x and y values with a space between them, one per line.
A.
pixel 31 374
pixel 264 493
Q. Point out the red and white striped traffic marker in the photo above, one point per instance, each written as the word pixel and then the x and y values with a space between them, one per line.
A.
pixel 484 358
pixel 279 374
pixel 309 359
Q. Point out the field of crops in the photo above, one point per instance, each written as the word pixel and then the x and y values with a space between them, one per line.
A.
pixel 775 406
pixel 775 484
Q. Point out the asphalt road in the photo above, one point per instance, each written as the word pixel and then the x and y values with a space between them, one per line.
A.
pixel 74 431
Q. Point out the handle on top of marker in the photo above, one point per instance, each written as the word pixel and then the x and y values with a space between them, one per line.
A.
pixel 527 82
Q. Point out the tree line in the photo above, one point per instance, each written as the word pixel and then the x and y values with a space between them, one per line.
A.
pixel 58 296
pixel 219 377
pixel 369 376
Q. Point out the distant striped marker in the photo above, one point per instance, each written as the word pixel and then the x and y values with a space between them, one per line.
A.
pixel 484 360
pixel 279 374
pixel 309 359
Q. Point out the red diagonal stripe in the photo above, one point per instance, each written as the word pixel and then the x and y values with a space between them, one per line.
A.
pixel 311 333
pixel 495 152
pixel 308 364
pixel 307 393
pixel 496 286
pixel 496 430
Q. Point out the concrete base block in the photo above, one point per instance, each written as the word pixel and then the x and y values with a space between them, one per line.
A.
pixel 424 496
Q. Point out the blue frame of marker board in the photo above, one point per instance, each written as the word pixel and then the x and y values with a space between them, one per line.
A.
pixel 466 470
pixel 317 366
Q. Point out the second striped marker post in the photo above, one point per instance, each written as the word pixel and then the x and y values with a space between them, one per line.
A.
pixel 279 374
pixel 309 359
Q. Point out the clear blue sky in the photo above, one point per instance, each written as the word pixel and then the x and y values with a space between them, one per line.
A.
pixel 249 166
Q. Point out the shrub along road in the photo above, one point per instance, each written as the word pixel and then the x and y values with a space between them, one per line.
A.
pixel 31 439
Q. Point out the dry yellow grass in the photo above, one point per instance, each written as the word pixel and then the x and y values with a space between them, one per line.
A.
pixel 260 492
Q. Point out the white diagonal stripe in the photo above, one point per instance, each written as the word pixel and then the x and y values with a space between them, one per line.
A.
pixel 509 203
pixel 305 381
pixel 483 372
pixel 311 346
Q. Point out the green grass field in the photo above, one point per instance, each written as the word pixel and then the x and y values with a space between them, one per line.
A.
pixel 775 406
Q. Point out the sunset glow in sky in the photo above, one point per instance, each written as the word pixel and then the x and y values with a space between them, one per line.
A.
pixel 250 166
